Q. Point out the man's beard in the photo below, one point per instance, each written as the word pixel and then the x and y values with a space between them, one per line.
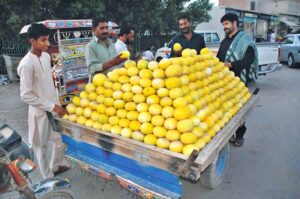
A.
pixel 185 30
pixel 129 42
pixel 228 31
pixel 104 36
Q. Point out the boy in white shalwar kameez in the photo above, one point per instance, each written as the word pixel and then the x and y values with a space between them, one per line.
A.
pixel 37 90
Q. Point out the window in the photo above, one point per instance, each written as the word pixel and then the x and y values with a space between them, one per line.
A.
pixel 215 37
pixel 252 5
pixel 290 40
pixel 207 37
pixel 283 41
pixel 287 40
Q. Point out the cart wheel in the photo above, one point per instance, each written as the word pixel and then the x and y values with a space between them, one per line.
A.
pixel 213 175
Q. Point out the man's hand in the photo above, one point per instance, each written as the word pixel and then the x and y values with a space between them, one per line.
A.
pixel 177 53
pixel 228 64
pixel 117 60
pixel 113 62
pixel 60 110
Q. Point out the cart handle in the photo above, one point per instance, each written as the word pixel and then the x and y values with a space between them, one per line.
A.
pixel 183 169
pixel 256 91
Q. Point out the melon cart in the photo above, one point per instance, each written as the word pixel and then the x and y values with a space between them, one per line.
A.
pixel 145 170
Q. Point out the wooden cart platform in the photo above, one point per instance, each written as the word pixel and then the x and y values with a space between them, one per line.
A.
pixel 140 154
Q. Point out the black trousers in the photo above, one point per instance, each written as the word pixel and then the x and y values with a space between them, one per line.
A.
pixel 240 132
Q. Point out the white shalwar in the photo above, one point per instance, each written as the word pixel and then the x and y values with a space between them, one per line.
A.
pixel 38 91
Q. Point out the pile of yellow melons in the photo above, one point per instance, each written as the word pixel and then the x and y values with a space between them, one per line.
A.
pixel 177 104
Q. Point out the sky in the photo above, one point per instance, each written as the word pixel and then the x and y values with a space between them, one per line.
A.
pixel 216 2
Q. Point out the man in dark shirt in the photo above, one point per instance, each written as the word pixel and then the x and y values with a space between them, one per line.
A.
pixel 245 55
pixel 230 23
pixel 186 37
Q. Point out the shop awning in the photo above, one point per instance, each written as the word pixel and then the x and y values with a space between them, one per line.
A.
pixel 289 22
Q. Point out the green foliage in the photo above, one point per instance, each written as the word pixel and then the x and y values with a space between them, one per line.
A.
pixel 198 10
pixel 141 15
pixel 154 16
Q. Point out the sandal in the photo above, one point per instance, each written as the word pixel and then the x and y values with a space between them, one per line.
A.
pixel 239 142
pixel 232 140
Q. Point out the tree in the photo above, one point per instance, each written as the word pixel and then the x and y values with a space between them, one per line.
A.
pixel 17 13
pixel 199 11
pixel 78 9
pixel 154 16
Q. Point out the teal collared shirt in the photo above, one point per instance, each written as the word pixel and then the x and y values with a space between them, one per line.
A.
pixel 97 53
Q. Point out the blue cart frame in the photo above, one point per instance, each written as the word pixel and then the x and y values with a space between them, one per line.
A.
pixel 148 171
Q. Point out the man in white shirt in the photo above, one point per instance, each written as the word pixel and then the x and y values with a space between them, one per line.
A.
pixel 125 37
pixel 148 55
pixel 37 90
pixel 273 37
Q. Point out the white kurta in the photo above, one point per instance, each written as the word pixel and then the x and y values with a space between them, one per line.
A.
pixel 120 46
pixel 38 91
pixel 148 55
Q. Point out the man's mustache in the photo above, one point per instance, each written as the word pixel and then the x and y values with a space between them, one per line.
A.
pixel 185 29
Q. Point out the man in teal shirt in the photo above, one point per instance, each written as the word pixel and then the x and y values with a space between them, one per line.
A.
pixel 100 53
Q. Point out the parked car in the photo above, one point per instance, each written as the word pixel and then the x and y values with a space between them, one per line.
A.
pixel 210 37
pixel 268 52
pixel 289 50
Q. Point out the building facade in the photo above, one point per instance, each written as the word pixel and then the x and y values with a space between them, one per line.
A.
pixel 254 23
pixel 287 12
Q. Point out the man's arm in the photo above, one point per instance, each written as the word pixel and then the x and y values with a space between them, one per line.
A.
pixel 202 42
pixel 95 66
pixel 113 62
pixel 245 62
pixel 171 44
pixel 218 54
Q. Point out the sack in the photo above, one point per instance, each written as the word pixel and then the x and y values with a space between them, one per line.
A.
pixel 55 124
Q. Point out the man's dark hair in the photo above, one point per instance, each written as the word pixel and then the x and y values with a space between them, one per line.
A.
pixel 98 20
pixel 125 30
pixel 37 30
pixel 230 17
pixel 185 16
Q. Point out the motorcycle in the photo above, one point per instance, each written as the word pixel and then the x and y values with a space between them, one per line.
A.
pixel 15 165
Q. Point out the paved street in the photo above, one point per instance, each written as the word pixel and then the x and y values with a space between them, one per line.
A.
pixel 266 167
